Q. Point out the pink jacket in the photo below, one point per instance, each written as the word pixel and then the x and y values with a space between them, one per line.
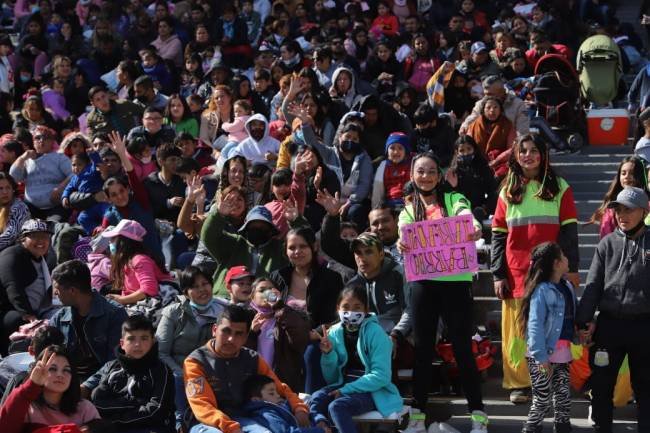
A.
pixel 100 270
pixel 142 275
pixel 299 194
pixel 171 49
pixel 142 170
pixel 236 129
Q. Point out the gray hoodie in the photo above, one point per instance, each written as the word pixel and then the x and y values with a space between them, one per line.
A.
pixel 389 297
pixel 617 283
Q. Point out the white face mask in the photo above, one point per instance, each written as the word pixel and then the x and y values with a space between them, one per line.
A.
pixel 146 159
pixel 353 318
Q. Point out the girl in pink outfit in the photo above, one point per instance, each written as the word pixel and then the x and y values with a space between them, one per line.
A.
pixel 132 267
pixel 236 129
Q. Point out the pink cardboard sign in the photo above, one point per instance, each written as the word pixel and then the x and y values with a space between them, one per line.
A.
pixel 439 248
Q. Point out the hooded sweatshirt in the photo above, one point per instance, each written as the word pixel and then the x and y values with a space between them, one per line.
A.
pixel 351 97
pixel 254 150
pixel 617 283
pixel 388 297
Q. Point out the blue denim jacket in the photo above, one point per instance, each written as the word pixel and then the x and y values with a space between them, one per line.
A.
pixel 545 320
pixel 102 328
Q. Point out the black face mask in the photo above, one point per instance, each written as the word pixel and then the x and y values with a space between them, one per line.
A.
pixel 428 132
pixel 635 229
pixel 350 146
pixel 258 237
pixel 464 161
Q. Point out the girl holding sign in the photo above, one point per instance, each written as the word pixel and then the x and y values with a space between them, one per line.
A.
pixel 534 206
pixel 449 296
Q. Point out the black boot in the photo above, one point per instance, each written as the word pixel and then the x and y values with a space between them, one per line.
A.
pixel 562 427
pixel 532 428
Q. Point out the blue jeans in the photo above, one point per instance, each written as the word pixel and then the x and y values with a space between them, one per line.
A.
pixel 313 374
pixel 342 409
pixel 247 426
pixel 172 246
pixel 180 398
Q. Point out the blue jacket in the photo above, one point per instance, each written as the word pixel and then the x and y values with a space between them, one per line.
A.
pixel 375 350
pixel 545 320
pixel 275 417
pixel 89 180
pixel 102 328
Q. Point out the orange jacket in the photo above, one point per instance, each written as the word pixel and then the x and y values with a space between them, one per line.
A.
pixel 203 401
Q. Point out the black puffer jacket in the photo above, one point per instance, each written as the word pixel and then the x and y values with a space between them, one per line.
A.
pixel 136 393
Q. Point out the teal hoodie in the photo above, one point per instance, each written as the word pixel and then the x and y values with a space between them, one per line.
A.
pixel 375 349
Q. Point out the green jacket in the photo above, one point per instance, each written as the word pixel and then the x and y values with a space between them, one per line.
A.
pixel 232 249
pixel 455 204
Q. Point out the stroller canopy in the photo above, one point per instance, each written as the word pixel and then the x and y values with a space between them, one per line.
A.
pixel 599 66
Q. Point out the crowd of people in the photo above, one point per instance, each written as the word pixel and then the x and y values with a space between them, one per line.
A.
pixel 201 202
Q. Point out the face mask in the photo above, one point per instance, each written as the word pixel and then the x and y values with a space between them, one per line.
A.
pixel 632 231
pixel 257 237
pixel 299 136
pixel 429 132
pixel 423 192
pixel 25 78
pixel 351 318
pixel 146 159
pixel 350 146
pixel 199 306
pixel 465 160
pixel 112 248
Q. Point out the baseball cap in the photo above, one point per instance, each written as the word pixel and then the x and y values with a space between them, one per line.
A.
pixel 259 213
pixel 237 273
pixel 127 228
pixel 367 239
pixel 477 47
pixel 35 225
pixel 631 197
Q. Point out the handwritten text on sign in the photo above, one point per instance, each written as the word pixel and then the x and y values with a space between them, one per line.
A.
pixel 439 247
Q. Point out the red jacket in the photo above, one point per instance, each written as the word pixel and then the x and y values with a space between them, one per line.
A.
pixel 533 56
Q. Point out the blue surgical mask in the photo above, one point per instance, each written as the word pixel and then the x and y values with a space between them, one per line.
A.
pixel 112 248
pixel 199 306
pixel 299 136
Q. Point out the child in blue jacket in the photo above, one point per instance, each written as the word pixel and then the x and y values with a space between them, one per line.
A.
pixel 547 317
pixel 356 365
pixel 267 407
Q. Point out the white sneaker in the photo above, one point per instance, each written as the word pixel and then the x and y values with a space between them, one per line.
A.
pixel 446 428
pixel 479 422
pixel 416 422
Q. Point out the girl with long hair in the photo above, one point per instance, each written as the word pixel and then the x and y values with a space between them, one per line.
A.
pixel 133 269
pixel 178 115
pixel 219 111
pixel 448 296
pixel 51 395
pixel 307 285
pixel 547 320
pixel 535 205
pixel 631 172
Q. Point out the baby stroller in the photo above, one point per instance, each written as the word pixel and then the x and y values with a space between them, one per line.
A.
pixel 600 68
pixel 557 99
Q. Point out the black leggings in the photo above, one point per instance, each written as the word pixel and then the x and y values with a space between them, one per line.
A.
pixel 452 300
pixel 11 321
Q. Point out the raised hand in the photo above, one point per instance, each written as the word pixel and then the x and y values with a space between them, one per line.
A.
pixel 331 203
pixel 40 370
pixel 318 179
pixel 227 205
pixel 291 212
pixel 325 343
pixel 116 143
pixel 296 86
pixel 303 162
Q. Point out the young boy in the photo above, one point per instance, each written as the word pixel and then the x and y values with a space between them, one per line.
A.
pixel 189 147
pixel 267 407
pixel 239 282
pixel 288 189
pixel 87 182
pixel 136 391
pixel 349 231
pixel 394 172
